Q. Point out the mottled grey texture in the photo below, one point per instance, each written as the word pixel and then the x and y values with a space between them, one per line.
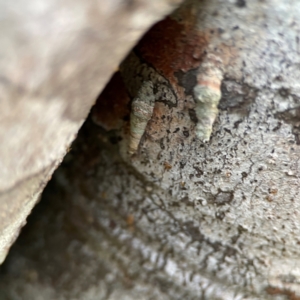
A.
pixel 184 219
pixel 243 186
pixel 103 232
pixel 55 58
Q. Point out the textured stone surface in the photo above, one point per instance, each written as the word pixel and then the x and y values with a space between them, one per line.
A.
pixel 182 219
pixel 55 58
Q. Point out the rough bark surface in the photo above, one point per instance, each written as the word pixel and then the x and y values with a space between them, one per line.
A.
pixel 55 58
pixel 179 218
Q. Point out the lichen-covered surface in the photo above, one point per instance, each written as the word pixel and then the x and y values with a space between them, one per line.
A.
pixel 55 58
pixel 103 232
pixel 180 218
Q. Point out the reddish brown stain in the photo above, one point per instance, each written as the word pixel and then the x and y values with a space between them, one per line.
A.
pixel 156 127
pixel 273 191
pixel 171 47
pixel 269 198
pixel 130 220
pixel 167 166
pixel 277 291
pixel 112 105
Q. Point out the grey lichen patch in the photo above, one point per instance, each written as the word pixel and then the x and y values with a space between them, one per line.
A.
pixel 237 97
pixel 287 109
pixel 223 198
pixel 141 112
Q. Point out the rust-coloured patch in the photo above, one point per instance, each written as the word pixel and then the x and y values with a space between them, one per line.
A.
pixel 156 127
pixel 171 47
pixel 273 191
pixel 130 220
pixel 269 198
pixel 277 291
pixel 228 174
pixel 167 166
pixel 112 104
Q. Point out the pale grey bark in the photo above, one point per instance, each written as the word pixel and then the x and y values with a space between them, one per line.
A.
pixel 55 58
pixel 183 219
